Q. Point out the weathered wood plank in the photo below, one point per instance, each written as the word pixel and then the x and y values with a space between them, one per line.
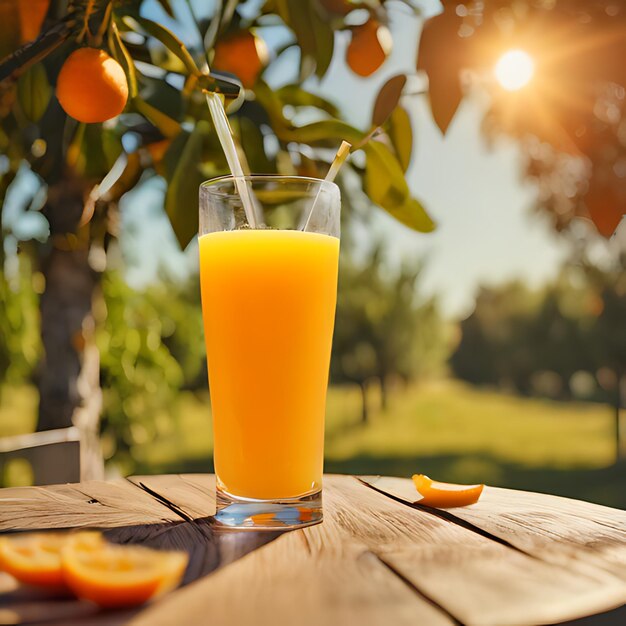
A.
pixel 93 503
pixel 191 495
pixel 560 530
pixel 320 575
pixel 478 580
pixel 374 559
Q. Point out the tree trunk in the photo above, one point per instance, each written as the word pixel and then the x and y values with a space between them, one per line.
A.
pixel 69 377
pixel 364 404
pixel 384 393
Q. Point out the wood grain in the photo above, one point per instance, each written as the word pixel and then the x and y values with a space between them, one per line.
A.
pixel 192 496
pixel 471 578
pixel 320 575
pixel 513 559
pixel 93 503
pixel 477 580
pixel 571 533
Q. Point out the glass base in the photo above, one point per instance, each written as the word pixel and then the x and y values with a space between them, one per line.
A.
pixel 282 514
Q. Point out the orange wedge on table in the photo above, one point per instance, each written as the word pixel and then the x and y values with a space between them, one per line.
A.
pixel 85 563
pixel 116 576
pixel 34 558
pixel 445 495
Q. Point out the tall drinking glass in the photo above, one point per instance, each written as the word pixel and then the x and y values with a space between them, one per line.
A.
pixel 268 303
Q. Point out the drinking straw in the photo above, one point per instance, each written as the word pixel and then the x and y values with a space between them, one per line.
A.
pixel 225 135
pixel 338 161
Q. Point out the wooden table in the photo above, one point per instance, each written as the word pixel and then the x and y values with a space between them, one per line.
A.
pixel 513 558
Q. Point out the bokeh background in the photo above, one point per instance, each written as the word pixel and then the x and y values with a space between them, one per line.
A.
pixel 492 349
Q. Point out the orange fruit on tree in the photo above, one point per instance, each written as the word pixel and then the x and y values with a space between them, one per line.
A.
pixel 92 86
pixel 445 495
pixel 32 14
pixel 242 54
pixel 119 575
pixel 369 47
pixel 34 558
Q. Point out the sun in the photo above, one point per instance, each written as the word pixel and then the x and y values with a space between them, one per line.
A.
pixel 514 69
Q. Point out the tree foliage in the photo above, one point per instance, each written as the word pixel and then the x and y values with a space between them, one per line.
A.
pixel 566 340
pixel 569 119
pixel 20 346
pixel 166 106
pixel 150 345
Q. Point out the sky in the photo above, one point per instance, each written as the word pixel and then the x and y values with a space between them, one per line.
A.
pixel 486 232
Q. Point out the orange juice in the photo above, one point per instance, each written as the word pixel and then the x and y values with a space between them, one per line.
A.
pixel 268 302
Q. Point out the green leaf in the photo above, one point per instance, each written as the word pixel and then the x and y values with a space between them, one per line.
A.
pixel 96 149
pixel 34 92
pixel 313 33
pixel 296 96
pixel 166 37
pixel 297 17
pixel 413 214
pixel 401 135
pixel 121 54
pixel 251 140
pixel 169 127
pixel 387 99
pixel 324 41
pixel 385 185
pixel 160 94
pixel 384 179
pixel 181 198
pixel 163 57
pixel 327 130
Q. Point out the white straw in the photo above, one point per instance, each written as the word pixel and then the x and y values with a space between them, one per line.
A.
pixel 340 157
pixel 225 135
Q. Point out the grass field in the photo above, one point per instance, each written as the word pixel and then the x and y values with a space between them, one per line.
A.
pixel 449 430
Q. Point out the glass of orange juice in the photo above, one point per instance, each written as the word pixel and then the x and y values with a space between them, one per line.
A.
pixel 268 301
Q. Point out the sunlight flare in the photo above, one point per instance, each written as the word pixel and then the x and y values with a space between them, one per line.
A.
pixel 514 69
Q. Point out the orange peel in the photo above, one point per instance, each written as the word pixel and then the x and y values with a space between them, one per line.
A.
pixel 445 495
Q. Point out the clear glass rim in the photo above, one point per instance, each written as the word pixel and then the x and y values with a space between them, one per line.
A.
pixel 214 185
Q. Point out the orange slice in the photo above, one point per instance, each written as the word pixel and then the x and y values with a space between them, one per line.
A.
pixel 118 576
pixel 445 495
pixel 34 558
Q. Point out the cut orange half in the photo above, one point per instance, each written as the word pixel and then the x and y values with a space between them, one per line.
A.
pixel 34 558
pixel 445 495
pixel 119 576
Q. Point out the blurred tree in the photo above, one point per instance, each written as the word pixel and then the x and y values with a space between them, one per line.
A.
pixel 383 331
pixel 569 118
pixel 150 347
pixel 540 342
pixel 84 169
pixel 515 334
pixel 608 339
pixel 20 345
